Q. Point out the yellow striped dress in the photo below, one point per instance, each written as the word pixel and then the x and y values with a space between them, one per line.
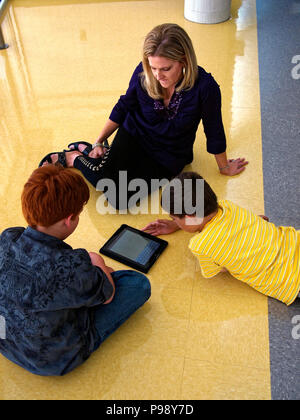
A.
pixel 253 250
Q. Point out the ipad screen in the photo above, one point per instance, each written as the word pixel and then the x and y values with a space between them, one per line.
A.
pixel 134 247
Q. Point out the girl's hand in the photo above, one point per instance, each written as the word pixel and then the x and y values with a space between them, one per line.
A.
pixel 161 227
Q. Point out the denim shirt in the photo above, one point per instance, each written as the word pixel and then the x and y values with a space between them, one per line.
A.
pixel 48 293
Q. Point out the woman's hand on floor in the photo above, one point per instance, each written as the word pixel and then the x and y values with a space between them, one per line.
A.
pixel 234 167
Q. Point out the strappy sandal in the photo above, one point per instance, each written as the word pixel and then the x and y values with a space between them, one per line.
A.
pixel 76 144
pixel 61 159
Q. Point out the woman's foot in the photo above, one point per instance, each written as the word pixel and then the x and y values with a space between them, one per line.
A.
pixel 69 159
pixel 81 147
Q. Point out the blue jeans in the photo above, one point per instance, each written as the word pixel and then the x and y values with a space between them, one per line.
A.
pixel 133 289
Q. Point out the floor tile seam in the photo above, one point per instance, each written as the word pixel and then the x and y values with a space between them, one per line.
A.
pixel 236 294
pixel 246 364
pixel 263 316
pixel 183 343
pixel 189 318
pixel 190 310
pixel 152 354
pixel 182 376
pixel 183 324
pixel 237 365
pixel 162 286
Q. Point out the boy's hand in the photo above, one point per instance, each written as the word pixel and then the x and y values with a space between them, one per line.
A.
pixel 161 227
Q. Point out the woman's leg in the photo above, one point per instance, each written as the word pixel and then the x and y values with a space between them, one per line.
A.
pixel 118 158
pixel 127 156
pixel 133 289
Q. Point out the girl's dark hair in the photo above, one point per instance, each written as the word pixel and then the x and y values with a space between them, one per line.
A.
pixel 178 192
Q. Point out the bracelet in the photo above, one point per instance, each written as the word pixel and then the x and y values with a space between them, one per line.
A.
pixel 97 145
pixel 225 167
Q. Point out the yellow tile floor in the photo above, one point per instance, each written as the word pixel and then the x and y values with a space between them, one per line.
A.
pixel 67 65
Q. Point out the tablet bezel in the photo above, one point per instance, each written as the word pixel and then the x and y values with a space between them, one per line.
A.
pixel 126 261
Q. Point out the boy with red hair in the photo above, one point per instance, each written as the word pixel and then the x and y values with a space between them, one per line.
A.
pixel 58 304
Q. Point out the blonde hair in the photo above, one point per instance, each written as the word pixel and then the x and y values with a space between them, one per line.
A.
pixel 170 41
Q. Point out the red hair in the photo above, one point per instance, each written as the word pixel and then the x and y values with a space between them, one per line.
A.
pixel 53 193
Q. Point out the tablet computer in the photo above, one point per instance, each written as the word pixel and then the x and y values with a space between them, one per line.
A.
pixel 134 248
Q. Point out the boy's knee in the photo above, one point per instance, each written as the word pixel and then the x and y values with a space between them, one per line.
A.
pixel 142 285
pixel 138 283
pixel 146 286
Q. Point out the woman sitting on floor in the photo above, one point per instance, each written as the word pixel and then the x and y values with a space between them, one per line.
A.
pixel 157 119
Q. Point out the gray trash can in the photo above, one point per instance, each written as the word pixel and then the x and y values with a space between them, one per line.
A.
pixel 207 11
